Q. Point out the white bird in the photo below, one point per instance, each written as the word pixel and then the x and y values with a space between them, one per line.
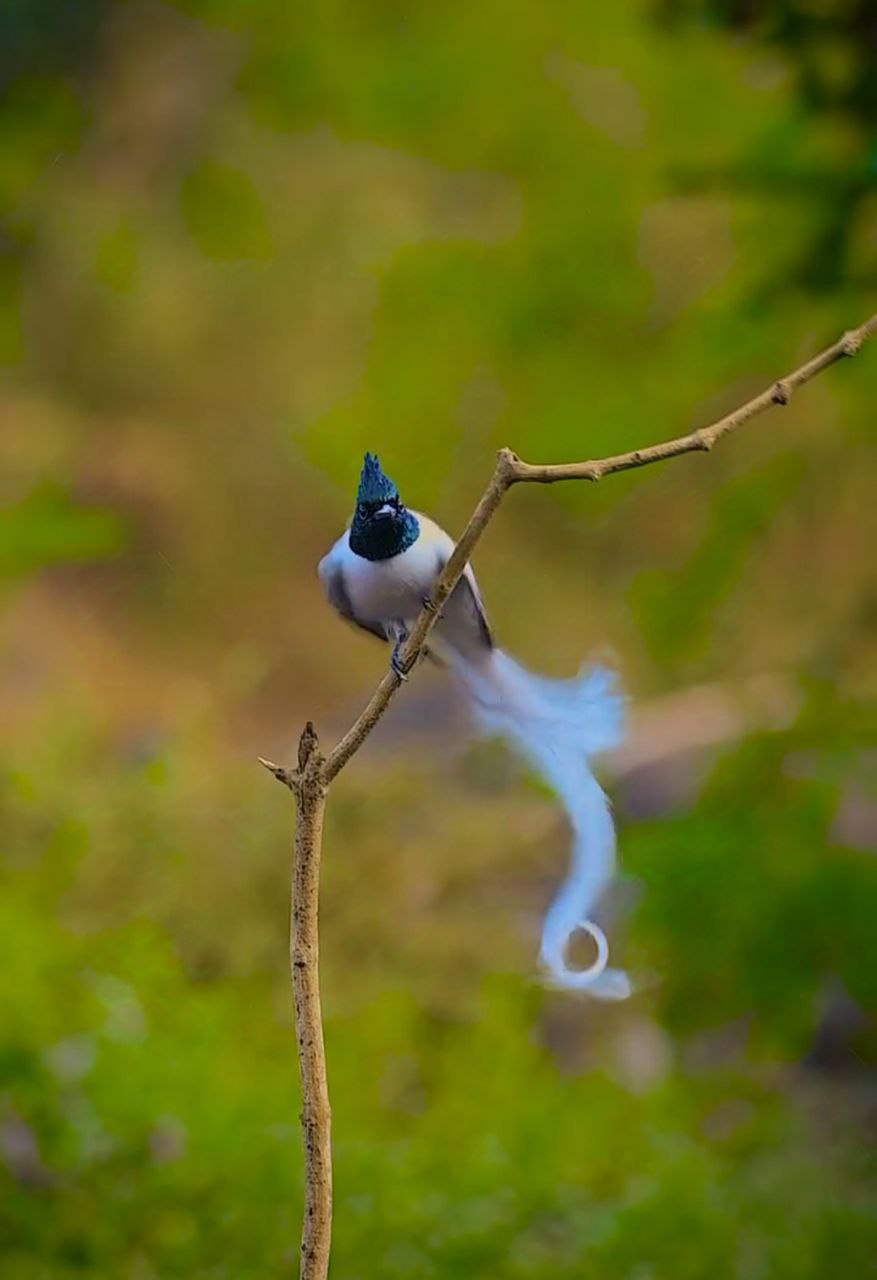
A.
pixel 378 575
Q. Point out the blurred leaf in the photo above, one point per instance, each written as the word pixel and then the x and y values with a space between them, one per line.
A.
pixel 224 213
pixel 47 527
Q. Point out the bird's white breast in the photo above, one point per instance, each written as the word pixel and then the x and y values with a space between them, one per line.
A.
pixel 381 590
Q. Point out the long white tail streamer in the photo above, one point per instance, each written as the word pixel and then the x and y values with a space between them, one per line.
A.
pixel 558 725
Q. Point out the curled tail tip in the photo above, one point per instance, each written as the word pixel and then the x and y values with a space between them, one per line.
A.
pixel 596 980
pixel 610 985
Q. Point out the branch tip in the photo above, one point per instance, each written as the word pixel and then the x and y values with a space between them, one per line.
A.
pixel 281 774
pixel 308 745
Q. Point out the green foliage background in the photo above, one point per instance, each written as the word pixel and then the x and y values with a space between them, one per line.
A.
pixel 241 243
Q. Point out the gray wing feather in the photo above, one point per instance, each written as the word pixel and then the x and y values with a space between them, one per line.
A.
pixel 336 594
pixel 464 614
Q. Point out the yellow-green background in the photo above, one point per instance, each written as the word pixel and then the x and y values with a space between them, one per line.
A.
pixel 242 242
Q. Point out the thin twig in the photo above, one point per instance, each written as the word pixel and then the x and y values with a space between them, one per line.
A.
pixel 510 469
pixel 310 782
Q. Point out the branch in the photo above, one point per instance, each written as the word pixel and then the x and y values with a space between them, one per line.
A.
pixel 510 469
pixel 309 790
pixel 310 781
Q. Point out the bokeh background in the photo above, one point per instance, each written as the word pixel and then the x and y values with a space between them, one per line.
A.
pixel 242 241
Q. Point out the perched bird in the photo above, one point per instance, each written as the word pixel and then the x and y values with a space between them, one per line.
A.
pixel 378 575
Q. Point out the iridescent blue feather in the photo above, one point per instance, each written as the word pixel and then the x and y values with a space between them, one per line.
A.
pixel 374 485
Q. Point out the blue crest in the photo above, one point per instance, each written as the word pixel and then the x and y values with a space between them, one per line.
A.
pixel 374 486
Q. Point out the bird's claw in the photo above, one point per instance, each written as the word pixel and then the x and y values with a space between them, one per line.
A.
pixel 428 604
pixel 396 664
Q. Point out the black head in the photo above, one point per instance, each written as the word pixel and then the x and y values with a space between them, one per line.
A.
pixel 382 526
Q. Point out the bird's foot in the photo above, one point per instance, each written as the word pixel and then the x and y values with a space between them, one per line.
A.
pixel 395 661
pixel 428 604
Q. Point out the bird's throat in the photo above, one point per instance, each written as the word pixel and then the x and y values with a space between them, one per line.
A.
pixel 383 539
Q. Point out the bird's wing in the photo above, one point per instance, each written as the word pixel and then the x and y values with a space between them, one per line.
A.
pixel 332 577
pixel 467 596
pixel 464 616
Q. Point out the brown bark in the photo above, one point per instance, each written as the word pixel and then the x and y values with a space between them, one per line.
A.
pixel 311 780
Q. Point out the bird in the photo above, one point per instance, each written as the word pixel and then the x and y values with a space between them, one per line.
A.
pixel 378 576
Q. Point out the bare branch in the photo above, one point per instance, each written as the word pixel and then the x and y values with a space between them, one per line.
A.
pixel 510 469
pixel 310 782
pixel 703 439
pixel 309 789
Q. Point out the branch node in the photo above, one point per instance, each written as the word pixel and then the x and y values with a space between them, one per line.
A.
pixel 851 342
pixel 508 466
pixel 310 782
pixel 282 775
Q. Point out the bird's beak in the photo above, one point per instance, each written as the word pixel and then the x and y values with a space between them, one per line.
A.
pixel 384 512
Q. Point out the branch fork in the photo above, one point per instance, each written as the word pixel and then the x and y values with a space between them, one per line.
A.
pixel 311 780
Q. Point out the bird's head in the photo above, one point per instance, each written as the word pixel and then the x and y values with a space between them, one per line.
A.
pixel 382 525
